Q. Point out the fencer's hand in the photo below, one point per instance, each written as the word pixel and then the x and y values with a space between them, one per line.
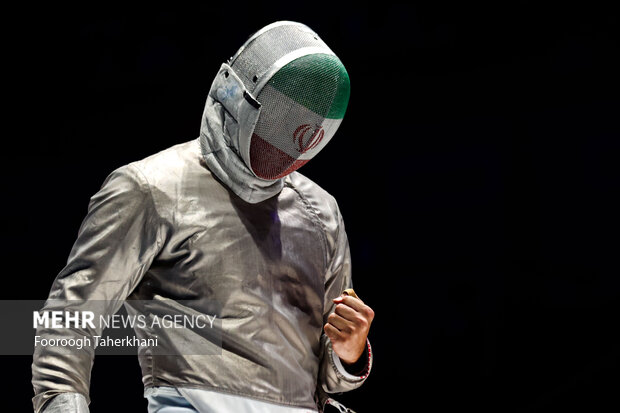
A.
pixel 347 327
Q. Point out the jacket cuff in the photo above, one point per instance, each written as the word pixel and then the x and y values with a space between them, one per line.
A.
pixel 64 403
pixel 357 371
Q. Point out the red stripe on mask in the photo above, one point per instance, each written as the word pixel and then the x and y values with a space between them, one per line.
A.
pixel 269 162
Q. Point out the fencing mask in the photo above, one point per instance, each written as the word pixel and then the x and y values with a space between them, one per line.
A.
pixel 278 101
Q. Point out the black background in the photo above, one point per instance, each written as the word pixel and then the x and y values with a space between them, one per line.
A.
pixel 476 169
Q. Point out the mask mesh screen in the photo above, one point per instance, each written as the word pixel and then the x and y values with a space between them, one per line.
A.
pixel 263 51
pixel 302 106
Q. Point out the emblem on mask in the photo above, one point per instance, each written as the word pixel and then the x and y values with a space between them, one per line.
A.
pixel 226 92
pixel 305 140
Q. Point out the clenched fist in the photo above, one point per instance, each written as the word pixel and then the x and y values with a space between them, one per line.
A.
pixel 347 327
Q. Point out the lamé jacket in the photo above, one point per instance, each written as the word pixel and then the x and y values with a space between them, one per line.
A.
pixel 164 231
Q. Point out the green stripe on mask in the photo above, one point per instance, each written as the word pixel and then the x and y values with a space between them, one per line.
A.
pixel 317 81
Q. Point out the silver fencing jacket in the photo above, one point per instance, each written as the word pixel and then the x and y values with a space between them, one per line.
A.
pixel 166 229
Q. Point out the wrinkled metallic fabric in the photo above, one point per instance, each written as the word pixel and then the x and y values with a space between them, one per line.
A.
pixel 67 403
pixel 166 229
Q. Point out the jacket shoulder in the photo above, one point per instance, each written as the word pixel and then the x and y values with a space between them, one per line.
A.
pixel 175 173
pixel 169 162
pixel 322 203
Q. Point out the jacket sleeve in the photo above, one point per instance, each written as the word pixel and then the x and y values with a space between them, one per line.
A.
pixel 115 246
pixel 333 377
